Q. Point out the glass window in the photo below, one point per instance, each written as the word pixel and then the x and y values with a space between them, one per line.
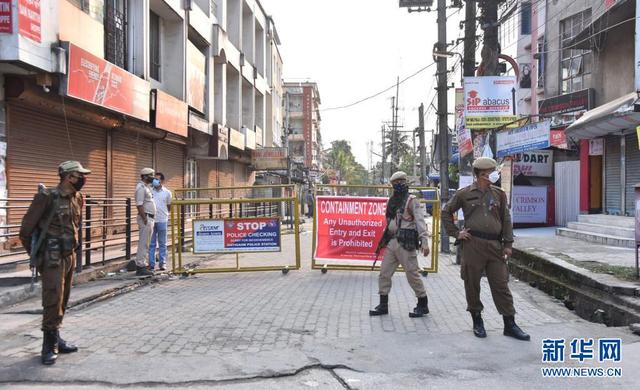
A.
pixel 575 63
pixel 525 18
pixel 154 46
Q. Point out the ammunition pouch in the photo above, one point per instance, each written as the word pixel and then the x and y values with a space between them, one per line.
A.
pixel 52 252
pixel 408 239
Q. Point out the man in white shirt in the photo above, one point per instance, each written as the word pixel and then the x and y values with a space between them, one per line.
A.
pixel 162 199
pixel 146 216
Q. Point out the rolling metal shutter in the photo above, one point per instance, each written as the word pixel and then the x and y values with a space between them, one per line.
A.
pixel 38 143
pixel 208 173
pixel 632 163
pixel 171 161
pixel 131 152
pixel 612 175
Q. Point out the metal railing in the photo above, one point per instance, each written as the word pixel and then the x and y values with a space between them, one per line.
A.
pixel 106 230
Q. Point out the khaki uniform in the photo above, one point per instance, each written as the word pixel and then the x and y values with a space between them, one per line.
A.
pixel 486 214
pixel 56 281
pixel 395 254
pixel 144 198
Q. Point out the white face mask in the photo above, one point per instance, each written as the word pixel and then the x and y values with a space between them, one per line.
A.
pixel 494 177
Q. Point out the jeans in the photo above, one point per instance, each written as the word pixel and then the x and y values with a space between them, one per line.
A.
pixel 159 236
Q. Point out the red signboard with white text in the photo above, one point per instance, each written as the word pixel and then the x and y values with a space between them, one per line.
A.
pixel 99 82
pixel 6 20
pixel 171 114
pixel 349 228
pixel 29 19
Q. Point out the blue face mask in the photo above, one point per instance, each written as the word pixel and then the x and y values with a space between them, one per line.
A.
pixel 155 183
pixel 401 187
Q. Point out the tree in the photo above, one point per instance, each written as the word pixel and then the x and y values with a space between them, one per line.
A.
pixel 341 159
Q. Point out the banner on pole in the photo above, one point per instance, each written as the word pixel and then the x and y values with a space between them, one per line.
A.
pixel 349 228
pixel 534 136
pixel 490 102
pixel 236 235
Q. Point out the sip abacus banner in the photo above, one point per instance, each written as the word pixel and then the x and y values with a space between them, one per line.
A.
pixel 349 228
pixel 236 235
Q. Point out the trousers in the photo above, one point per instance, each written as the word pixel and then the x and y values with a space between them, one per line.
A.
pixel 159 239
pixel 56 288
pixel 478 256
pixel 395 255
pixel 144 239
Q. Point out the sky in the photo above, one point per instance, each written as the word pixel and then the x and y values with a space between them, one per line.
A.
pixel 354 49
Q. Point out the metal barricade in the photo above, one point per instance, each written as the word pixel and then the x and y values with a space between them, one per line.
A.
pixel 197 214
pixel 105 231
pixel 378 191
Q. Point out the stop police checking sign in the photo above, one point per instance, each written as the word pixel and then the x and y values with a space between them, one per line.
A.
pixel 237 235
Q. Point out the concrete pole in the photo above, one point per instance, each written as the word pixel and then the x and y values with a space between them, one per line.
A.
pixel 423 147
pixel 443 127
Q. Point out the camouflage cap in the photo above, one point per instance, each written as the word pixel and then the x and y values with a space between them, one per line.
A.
pixel 485 163
pixel 72 166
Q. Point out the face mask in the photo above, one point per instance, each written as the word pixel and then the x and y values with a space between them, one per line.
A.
pixel 80 182
pixel 156 183
pixel 401 187
pixel 494 177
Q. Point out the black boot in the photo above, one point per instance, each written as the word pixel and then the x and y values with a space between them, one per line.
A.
pixel 49 347
pixel 478 325
pixel 513 330
pixel 382 308
pixel 421 309
pixel 64 347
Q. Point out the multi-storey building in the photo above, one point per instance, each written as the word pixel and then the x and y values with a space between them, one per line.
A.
pixel 187 87
pixel 302 122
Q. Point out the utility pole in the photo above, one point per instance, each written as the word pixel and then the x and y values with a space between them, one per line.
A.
pixel 423 150
pixel 491 47
pixel 469 65
pixel 396 157
pixel 384 156
pixel 443 126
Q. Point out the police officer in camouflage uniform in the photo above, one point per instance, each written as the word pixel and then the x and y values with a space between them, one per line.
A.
pixel 405 233
pixel 486 241
pixel 55 215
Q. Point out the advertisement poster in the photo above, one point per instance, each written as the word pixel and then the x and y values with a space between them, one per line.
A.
pixel 559 139
pixel 29 17
pixel 465 146
pixel 196 76
pixel 480 142
pixel 99 82
pixel 529 204
pixel 349 228
pixel 171 114
pixel 538 163
pixel 534 136
pixel 596 146
pixel 6 20
pixel 237 235
pixel 490 102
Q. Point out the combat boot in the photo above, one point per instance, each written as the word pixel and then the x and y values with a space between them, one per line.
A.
pixel 49 347
pixel 478 325
pixel 513 330
pixel 421 309
pixel 382 308
pixel 64 347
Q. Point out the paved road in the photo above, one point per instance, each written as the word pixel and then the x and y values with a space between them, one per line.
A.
pixel 302 330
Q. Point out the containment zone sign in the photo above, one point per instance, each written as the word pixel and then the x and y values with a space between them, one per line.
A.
pixel 236 235
pixel 349 228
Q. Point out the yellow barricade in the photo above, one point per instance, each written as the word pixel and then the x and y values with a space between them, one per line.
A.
pixel 377 191
pixel 200 223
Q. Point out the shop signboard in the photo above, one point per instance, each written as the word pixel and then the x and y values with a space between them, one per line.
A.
pixel 102 83
pixel 537 163
pixel 529 204
pixel 170 114
pixel 534 136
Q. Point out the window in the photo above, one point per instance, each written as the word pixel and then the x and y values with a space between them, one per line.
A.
pixel 525 18
pixel 93 8
pixel 575 64
pixel 542 52
pixel 115 32
pixel 154 46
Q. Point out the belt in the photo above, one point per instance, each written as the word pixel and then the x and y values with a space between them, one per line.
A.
pixel 486 236
pixel 150 215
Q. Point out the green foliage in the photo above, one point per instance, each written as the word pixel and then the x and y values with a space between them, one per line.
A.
pixel 341 160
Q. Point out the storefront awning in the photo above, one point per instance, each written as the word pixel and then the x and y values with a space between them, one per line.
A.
pixel 612 117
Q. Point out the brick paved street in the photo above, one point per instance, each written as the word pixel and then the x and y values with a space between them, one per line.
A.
pixel 226 328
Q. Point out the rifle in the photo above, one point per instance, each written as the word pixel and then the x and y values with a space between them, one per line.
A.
pixel 384 241
pixel 36 240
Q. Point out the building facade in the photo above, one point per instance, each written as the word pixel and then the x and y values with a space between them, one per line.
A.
pixel 302 124
pixel 181 86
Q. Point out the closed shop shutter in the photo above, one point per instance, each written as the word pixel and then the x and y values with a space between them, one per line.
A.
pixel 171 160
pixel 632 163
pixel 131 152
pixel 38 143
pixel 612 175
pixel 208 173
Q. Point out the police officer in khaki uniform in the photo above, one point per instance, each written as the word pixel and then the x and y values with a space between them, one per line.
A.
pixel 146 219
pixel 486 241
pixel 405 233
pixel 55 215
